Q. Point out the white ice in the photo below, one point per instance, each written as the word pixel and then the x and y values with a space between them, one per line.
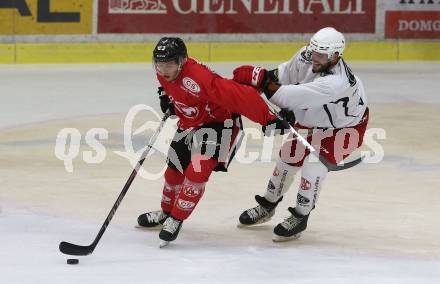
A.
pixel 376 223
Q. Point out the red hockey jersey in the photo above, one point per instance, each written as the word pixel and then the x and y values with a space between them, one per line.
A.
pixel 200 96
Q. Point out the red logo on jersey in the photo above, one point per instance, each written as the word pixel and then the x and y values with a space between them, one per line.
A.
pixel 276 172
pixel 187 111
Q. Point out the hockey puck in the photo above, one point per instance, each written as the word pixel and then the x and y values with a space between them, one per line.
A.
pixel 72 261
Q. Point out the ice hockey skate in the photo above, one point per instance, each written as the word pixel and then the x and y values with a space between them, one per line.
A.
pixel 170 231
pixel 151 219
pixel 259 214
pixel 291 227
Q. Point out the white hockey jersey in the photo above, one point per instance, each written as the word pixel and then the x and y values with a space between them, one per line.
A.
pixel 334 99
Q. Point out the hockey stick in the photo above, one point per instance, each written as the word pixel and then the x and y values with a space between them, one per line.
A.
pixel 72 249
pixel 331 167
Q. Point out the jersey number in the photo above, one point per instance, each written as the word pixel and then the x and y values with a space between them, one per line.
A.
pixel 344 102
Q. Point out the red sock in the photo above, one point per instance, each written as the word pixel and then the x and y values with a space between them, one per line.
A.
pixel 171 188
pixel 192 187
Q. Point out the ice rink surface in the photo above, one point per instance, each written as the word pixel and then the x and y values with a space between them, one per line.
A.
pixel 375 223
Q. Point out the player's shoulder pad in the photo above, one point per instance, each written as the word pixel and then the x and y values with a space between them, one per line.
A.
pixel 197 77
pixel 332 82
pixel 200 72
pixel 338 80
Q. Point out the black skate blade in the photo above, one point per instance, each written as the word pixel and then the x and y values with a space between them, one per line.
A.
pixel 72 249
pixel 155 228
pixel 280 239
pixel 340 167
pixel 262 221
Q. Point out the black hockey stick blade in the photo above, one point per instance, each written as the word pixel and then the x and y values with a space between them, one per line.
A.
pixel 347 165
pixel 72 249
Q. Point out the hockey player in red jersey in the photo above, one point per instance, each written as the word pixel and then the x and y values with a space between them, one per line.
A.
pixel 205 104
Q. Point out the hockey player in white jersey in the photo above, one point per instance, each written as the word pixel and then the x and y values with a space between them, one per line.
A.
pixel 329 101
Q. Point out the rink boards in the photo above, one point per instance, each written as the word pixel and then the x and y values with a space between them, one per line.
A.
pixel 23 53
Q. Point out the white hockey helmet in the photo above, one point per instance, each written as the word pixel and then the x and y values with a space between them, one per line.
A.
pixel 328 41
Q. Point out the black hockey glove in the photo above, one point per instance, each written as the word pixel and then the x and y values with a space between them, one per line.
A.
pixel 288 115
pixel 165 102
pixel 276 126
pixel 270 83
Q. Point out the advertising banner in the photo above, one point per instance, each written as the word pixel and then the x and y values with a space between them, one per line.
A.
pixel 413 24
pixel 412 19
pixel 235 16
pixel 34 17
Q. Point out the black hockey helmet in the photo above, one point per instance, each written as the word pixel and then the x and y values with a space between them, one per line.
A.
pixel 170 48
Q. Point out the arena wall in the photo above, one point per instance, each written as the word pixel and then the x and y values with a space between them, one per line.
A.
pixel 101 31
